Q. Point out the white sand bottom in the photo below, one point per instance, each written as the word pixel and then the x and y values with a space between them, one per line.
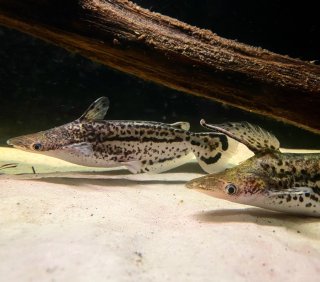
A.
pixel 114 226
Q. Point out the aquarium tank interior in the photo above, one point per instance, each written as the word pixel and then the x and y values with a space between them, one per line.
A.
pixel 43 85
pixel 67 221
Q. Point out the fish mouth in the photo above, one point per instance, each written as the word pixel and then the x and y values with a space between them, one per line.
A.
pixel 12 142
pixel 208 182
pixel 17 142
pixel 197 183
pixel 192 184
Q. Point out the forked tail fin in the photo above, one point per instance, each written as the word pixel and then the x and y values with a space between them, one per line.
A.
pixel 213 150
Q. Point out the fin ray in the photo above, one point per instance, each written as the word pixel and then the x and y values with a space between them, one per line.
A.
pixel 97 110
pixel 290 191
pixel 82 148
pixel 253 136
pixel 133 166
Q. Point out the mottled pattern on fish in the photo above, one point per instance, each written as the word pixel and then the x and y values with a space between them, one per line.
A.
pixel 270 179
pixel 254 137
pixel 141 146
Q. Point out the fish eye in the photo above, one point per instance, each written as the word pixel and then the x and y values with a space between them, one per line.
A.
pixel 231 189
pixel 37 146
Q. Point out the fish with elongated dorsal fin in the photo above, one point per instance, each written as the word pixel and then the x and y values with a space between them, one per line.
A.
pixel 284 182
pixel 140 146
pixel 253 136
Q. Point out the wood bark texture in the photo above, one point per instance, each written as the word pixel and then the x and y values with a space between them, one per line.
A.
pixel 124 36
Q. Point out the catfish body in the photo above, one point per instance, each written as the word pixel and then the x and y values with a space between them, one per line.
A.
pixel 141 146
pixel 285 182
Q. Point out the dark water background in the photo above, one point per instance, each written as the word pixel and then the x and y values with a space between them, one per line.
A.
pixel 42 85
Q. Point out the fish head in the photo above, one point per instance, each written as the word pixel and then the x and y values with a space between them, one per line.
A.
pixel 69 142
pixel 43 141
pixel 232 186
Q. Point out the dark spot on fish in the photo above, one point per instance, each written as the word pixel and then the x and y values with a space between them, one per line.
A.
pixel 165 160
pixel 308 205
pixel 211 160
pixel 314 198
pixel 315 178
pixel 316 190
pixel 195 143
pixel 301 199
pixel 265 166
pixel 224 142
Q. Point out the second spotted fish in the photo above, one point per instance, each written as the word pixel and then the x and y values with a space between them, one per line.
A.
pixel 140 146
pixel 285 182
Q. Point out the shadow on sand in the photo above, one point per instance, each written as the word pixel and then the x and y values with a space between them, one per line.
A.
pixel 299 224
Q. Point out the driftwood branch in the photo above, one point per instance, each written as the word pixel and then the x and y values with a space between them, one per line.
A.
pixel 134 40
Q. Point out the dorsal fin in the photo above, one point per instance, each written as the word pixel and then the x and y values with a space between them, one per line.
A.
pixel 181 125
pixel 97 110
pixel 253 136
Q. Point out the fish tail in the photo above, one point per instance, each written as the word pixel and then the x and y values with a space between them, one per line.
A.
pixel 213 150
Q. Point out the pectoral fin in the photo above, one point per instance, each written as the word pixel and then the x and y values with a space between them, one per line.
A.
pixel 297 200
pixel 79 149
pixel 296 194
pixel 291 191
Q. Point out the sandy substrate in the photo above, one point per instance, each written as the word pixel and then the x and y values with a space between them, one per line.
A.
pixel 69 223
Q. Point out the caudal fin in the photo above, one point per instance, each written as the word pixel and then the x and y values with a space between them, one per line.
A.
pixel 213 151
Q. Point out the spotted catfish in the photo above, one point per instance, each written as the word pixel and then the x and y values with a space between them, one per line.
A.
pixel 140 146
pixel 285 182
